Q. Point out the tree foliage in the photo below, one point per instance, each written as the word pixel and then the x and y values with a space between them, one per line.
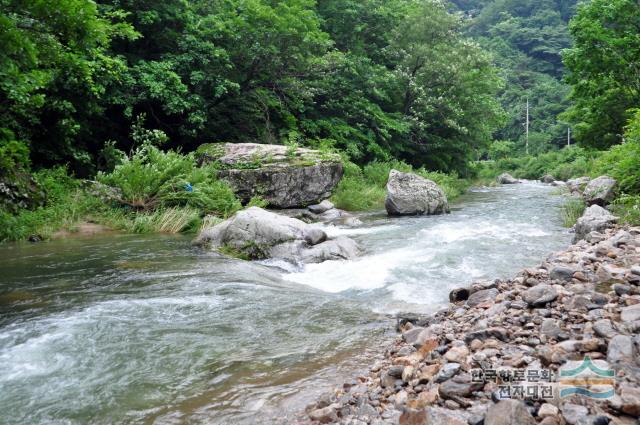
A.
pixel 604 70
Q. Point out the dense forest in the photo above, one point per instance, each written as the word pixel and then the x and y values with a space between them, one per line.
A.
pixel 90 87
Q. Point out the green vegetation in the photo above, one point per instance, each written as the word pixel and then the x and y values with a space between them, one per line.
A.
pixel 363 188
pixel 124 93
pixel 572 209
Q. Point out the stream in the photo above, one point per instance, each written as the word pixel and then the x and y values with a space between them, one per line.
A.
pixel 150 330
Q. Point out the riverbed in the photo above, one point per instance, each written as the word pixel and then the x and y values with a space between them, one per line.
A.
pixel 148 329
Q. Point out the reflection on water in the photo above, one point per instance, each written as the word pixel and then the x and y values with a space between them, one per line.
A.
pixel 150 330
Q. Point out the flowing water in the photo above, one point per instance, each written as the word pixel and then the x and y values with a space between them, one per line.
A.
pixel 131 329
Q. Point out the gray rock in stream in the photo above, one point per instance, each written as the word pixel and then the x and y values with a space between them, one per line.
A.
pixel 255 233
pixel 410 194
pixel 600 191
pixel 506 178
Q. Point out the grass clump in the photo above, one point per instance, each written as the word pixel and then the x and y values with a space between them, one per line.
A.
pixel 572 210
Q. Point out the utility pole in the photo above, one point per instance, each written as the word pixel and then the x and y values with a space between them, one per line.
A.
pixel 527 127
pixel 568 136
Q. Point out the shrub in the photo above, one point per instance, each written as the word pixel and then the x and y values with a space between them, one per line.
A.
pixel 150 178
pixel 572 210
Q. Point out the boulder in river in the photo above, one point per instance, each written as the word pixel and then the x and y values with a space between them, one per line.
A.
pixel 547 178
pixel 506 178
pixel 256 234
pixel 285 177
pixel 600 191
pixel 594 219
pixel 410 194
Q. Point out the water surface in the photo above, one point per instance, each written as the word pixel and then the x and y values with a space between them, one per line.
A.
pixel 142 330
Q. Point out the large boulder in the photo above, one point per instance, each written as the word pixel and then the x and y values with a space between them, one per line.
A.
pixel 258 234
pixel 600 191
pixel 409 194
pixel 506 178
pixel 578 184
pixel 594 219
pixel 283 176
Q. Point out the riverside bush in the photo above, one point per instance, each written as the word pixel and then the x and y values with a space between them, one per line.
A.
pixel 150 178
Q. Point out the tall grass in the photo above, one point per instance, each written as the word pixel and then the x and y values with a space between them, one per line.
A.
pixel 572 210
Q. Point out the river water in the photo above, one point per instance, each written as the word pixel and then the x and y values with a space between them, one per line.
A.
pixel 149 330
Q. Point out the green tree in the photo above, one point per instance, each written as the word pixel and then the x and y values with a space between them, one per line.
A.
pixel 604 70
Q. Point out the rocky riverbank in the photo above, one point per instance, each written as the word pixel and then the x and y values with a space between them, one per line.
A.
pixel 496 354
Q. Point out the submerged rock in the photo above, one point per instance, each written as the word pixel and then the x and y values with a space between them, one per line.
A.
pixel 506 178
pixel 410 194
pixel 284 177
pixel 600 191
pixel 258 234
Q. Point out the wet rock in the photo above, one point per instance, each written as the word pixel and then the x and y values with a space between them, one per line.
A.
pixel 482 297
pixel 314 236
pixel 574 414
pixel 458 294
pixel 410 194
pixel 620 349
pixel 631 313
pixel 258 234
pixel 508 412
pixel 325 415
pixel 547 178
pixel 540 295
pixel 600 191
pixel 322 207
pixel 506 178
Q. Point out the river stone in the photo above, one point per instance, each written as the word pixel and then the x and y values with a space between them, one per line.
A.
pixel 547 178
pixel 506 178
pixel 630 397
pixel 547 409
pixel 561 273
pixel 604 328
pixel 540 295
pixel 325 415
pixel 284 177
pixel 322 207
pixel 600 191
pixel 631 313
pixel 508 412
pixel 258 234
pixel 314 235
pixel 459 386
pixel 458 294
pixel 594 219
pixel 574 414
pixel 447 372
pixel 410 194
pixel 434 416
pixel 551 329
pixel 620 349
pixel 481 297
